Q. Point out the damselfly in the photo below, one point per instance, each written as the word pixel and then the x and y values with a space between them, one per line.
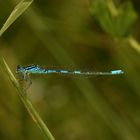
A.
pixel 24 71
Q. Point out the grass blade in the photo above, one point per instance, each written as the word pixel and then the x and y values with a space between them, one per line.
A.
pixel 18 10
pixel 22 94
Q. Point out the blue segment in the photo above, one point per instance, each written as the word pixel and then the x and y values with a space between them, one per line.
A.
pixel 33 70
pixel 51 71
pixel 30 67
pixel 64 71
pixel 77 72
pixel 117 72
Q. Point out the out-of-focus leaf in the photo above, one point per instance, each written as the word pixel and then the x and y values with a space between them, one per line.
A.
pixel 100 10
pixel 117 26
pixel 126 18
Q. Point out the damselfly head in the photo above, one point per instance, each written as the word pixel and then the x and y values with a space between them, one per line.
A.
pixel 20 69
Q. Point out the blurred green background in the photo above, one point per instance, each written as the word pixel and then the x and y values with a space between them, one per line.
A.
pixel 73 33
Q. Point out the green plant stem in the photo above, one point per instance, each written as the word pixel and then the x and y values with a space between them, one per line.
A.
pixel 133 43
pixel 112 8
pixel 22 94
